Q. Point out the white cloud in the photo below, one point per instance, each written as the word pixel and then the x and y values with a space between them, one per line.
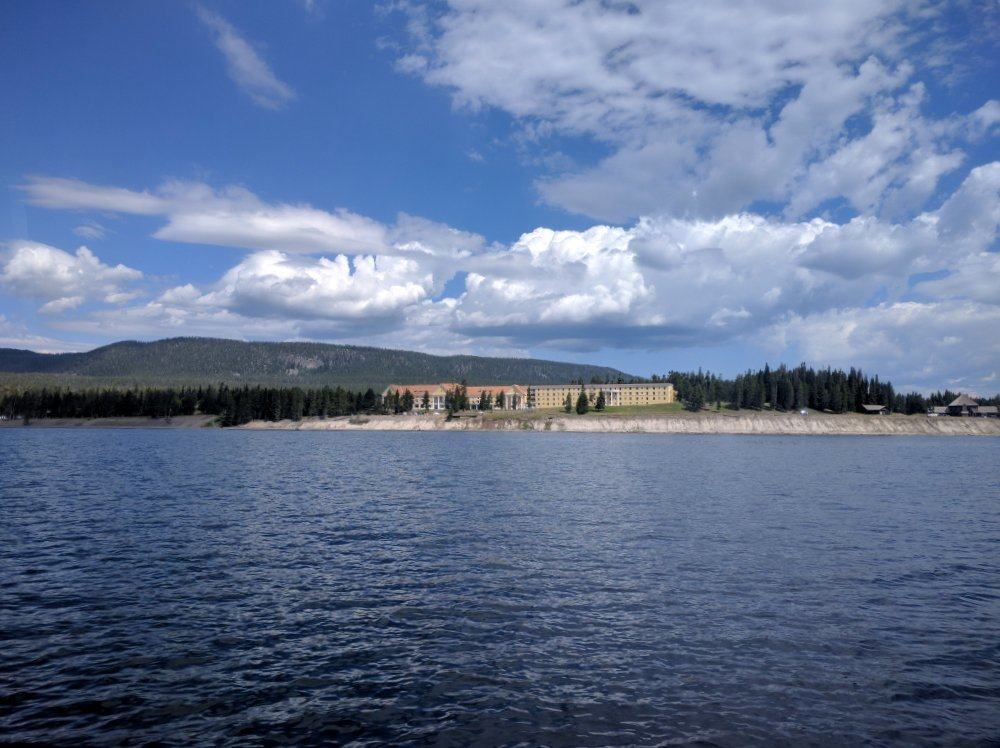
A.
pixel 662 282
pixel 247 69
pixel 90 230
pixel 707 107
pixel 232 216
pixel 917 345
pixel 975 277
pixel 362 289
pixel 58 192
pixel 364 293
pixel 235 217
pixel 16 335
pixel 34 270
pixel 898 161
pixel 64 304
pixel 593 67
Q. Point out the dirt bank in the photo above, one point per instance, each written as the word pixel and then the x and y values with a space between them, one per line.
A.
pixel 686 423
pixel 177 422
pixel 742 422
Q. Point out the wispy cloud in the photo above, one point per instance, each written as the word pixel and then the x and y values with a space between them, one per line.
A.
pixel 90 230
pixel 245 66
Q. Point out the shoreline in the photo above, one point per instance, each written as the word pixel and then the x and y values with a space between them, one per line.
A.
pixel 731 422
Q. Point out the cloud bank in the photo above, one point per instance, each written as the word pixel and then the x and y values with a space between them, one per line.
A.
pixel 864 291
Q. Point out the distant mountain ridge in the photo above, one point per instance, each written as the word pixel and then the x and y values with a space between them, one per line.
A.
pixel 211 360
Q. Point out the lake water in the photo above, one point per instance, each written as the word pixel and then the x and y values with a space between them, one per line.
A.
pixel 481 588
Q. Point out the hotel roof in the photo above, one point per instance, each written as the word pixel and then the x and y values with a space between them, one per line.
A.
pixel 477 390
pixel 420 389
pixel 604 384
pixel 962 400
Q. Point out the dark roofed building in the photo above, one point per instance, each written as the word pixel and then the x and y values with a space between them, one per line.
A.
pixel 875 409
pixel 988 411
pixel 963 405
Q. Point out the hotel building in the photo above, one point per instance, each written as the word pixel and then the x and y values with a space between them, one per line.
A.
pixel 519 397
pixel 515 396
pixel 649 393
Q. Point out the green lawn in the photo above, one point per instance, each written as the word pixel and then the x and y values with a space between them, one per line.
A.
pixel 642 410
pixel 623 410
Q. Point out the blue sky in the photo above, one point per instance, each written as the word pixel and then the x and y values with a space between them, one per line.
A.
pixel 650 185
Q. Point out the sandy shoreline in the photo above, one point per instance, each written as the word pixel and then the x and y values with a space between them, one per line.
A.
pixel 177 422
pixel 680 423
pixel 742 422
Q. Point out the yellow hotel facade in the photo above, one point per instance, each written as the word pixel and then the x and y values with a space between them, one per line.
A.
pixel 520 397
pixel 648 393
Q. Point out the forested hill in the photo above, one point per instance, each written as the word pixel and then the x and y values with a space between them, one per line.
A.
pixel 212 360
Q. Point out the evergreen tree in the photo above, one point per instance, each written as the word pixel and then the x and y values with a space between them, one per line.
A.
pixel 601 402
pixel 582 403
pixel 568 403
pixel 786 400
pixel 696 398
pixel 736 399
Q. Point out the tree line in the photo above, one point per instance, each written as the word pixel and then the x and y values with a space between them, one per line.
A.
pixel 233 405
pixel 781 389
pixel 801 387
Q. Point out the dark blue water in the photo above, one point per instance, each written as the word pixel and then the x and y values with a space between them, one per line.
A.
pixel 274 587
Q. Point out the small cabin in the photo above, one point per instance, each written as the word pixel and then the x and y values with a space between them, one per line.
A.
pixel 963 405
pixel 874 409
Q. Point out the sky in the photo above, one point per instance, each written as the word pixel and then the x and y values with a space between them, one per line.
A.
pixel 651 185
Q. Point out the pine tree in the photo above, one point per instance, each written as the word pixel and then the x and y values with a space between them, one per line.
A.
pixel 787 396
pixel 601 402
pixel 582 403
pixel 568 403
pixel 696 398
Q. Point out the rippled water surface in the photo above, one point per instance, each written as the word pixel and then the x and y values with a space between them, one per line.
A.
pixel 261 587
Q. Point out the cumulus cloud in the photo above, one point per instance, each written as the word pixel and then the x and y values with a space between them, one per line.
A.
pixel 661 282
pixel 363 289
pixel 34 270
pixel 707 107
pixel 247 69
pixel 920 345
